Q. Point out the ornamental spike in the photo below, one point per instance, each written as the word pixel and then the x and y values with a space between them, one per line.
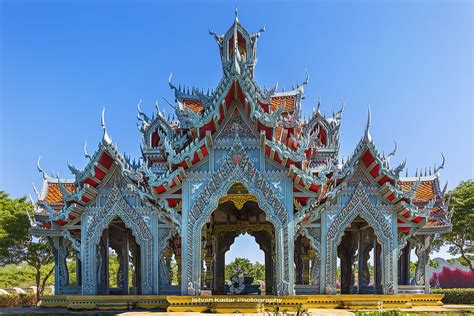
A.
pixel 441 166
pixel 318 110
pixel 429 171
pixel 342 106
pixel 406 173
pixel 394 150
pixel 415 186
pixel 400 168
pixel 169 103
pixel 30 219
pixel 416 172
pixel 45 175
pixel 170 84
pixel 306 80
pixel 35 190
pixel 105 138
pixel 157 106
pixel 275 87
pixel 444 188
pixel 367 137
pixel 86 155
pixel 138 107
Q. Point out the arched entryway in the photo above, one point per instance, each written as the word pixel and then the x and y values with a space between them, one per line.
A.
pixel 236 167
pixel 237 213
pixel 118 261
pixel 96 249
pixel 359 257
pixel 360 207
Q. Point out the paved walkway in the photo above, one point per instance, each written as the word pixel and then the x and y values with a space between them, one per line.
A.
pixel 442 310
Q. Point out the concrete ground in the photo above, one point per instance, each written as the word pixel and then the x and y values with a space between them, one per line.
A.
pixel 434 310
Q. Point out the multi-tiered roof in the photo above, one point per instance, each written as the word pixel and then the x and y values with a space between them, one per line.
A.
pixel 306 148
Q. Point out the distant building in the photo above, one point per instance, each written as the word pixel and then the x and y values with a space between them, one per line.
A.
pixel 241 159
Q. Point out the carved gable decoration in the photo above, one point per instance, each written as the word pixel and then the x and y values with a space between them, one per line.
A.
pixel 236 124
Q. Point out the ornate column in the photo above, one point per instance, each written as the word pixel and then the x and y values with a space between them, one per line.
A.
pixel 422 250
pixel 103 263
pixel 268 272
pixel 346 252
pixel 315 269
pixel 366 238
pixel 298 262
pixel 61 275
pixel 78 270
pixel 404 265
pixel 378 268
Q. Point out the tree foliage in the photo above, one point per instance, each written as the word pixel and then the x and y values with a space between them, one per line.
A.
pixel 16 243
pixel 460 239
pixel 243 265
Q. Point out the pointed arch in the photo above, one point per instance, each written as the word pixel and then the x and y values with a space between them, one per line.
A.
pixel 359 205
pixel 237 167
pixel 116 206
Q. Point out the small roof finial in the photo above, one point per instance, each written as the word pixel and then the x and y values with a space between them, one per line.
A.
pixel 236 14
pixel 318 109
pixel 85 152
pixel 367 136
pixel 45 175
pixel 105 138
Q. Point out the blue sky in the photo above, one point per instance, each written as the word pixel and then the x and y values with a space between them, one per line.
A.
pixel 61 62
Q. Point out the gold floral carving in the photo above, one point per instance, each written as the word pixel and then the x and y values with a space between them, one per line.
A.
pixel 238 199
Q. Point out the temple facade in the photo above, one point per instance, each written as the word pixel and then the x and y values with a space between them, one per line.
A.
pixel 240 159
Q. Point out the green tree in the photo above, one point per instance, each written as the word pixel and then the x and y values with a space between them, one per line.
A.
pixel 460 239
pixel 243 265
pixel 16 243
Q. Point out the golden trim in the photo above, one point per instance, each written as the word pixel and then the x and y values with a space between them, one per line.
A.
pixel 241 303
pixel 238 199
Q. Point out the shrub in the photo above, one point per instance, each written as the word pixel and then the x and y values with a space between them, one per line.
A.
pixel 17 300
pixel 456 296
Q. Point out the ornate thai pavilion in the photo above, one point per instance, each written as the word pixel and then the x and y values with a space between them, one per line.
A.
pixel 240 159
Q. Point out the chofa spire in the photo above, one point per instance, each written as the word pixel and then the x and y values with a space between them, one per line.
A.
pixel 367 136
pixel 105 138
